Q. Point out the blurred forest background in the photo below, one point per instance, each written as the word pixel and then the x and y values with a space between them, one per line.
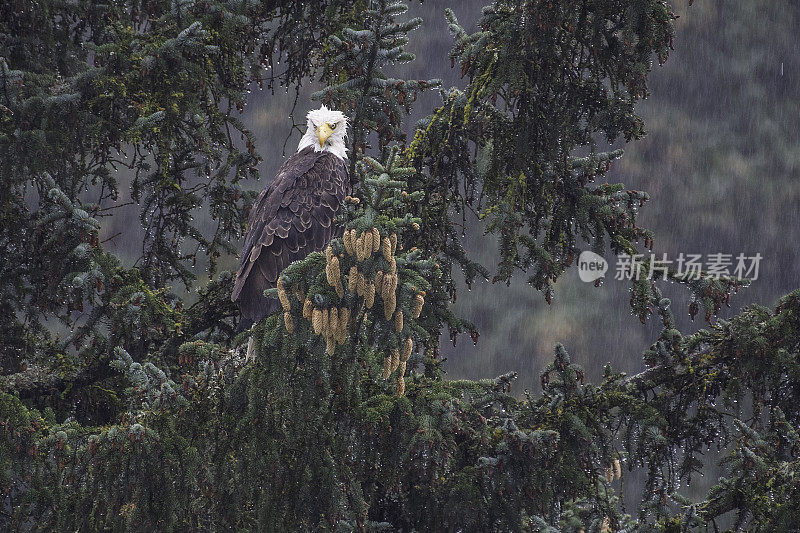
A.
pixel 719 162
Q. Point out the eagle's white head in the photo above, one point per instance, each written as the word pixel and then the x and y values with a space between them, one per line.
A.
pixel 326 132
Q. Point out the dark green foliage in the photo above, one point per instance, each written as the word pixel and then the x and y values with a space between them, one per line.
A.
pixel 545 80
pixel 145 416
pixel 304 440
pixel 88 90
pixel 746 368
pixel 354 70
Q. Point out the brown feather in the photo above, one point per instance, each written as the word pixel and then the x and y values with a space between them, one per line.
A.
pixel 290 219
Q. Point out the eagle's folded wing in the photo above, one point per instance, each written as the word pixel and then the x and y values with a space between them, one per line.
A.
pixel 289 220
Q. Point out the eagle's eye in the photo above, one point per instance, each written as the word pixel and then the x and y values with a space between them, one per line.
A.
pixel 332 126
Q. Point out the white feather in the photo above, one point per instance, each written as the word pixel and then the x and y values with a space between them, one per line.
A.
pixel 335 143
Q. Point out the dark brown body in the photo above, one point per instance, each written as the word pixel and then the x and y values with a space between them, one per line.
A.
pixel 290 219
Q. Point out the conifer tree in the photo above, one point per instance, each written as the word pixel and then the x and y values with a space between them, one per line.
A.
pixel 147 417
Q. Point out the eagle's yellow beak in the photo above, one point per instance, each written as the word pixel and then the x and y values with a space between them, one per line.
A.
pixel 323 132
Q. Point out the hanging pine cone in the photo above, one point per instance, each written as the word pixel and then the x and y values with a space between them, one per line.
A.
pixel 359 248
pixel 347 241
pixel 361 284
pixel 367 236
pixel 325 322
pixel 352 280
pixel 386 248
pixel 282 296
pixel 376 239
pixel 369 295
pixel 341 330
pixel 316 321
pixel 333 321
pixel 332 270
pixel 416 309
pixel 408 345
pixel 387 367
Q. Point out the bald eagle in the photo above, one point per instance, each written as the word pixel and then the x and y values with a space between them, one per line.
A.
pixel 294 215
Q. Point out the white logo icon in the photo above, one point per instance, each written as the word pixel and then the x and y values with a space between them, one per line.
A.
pixel 591 266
